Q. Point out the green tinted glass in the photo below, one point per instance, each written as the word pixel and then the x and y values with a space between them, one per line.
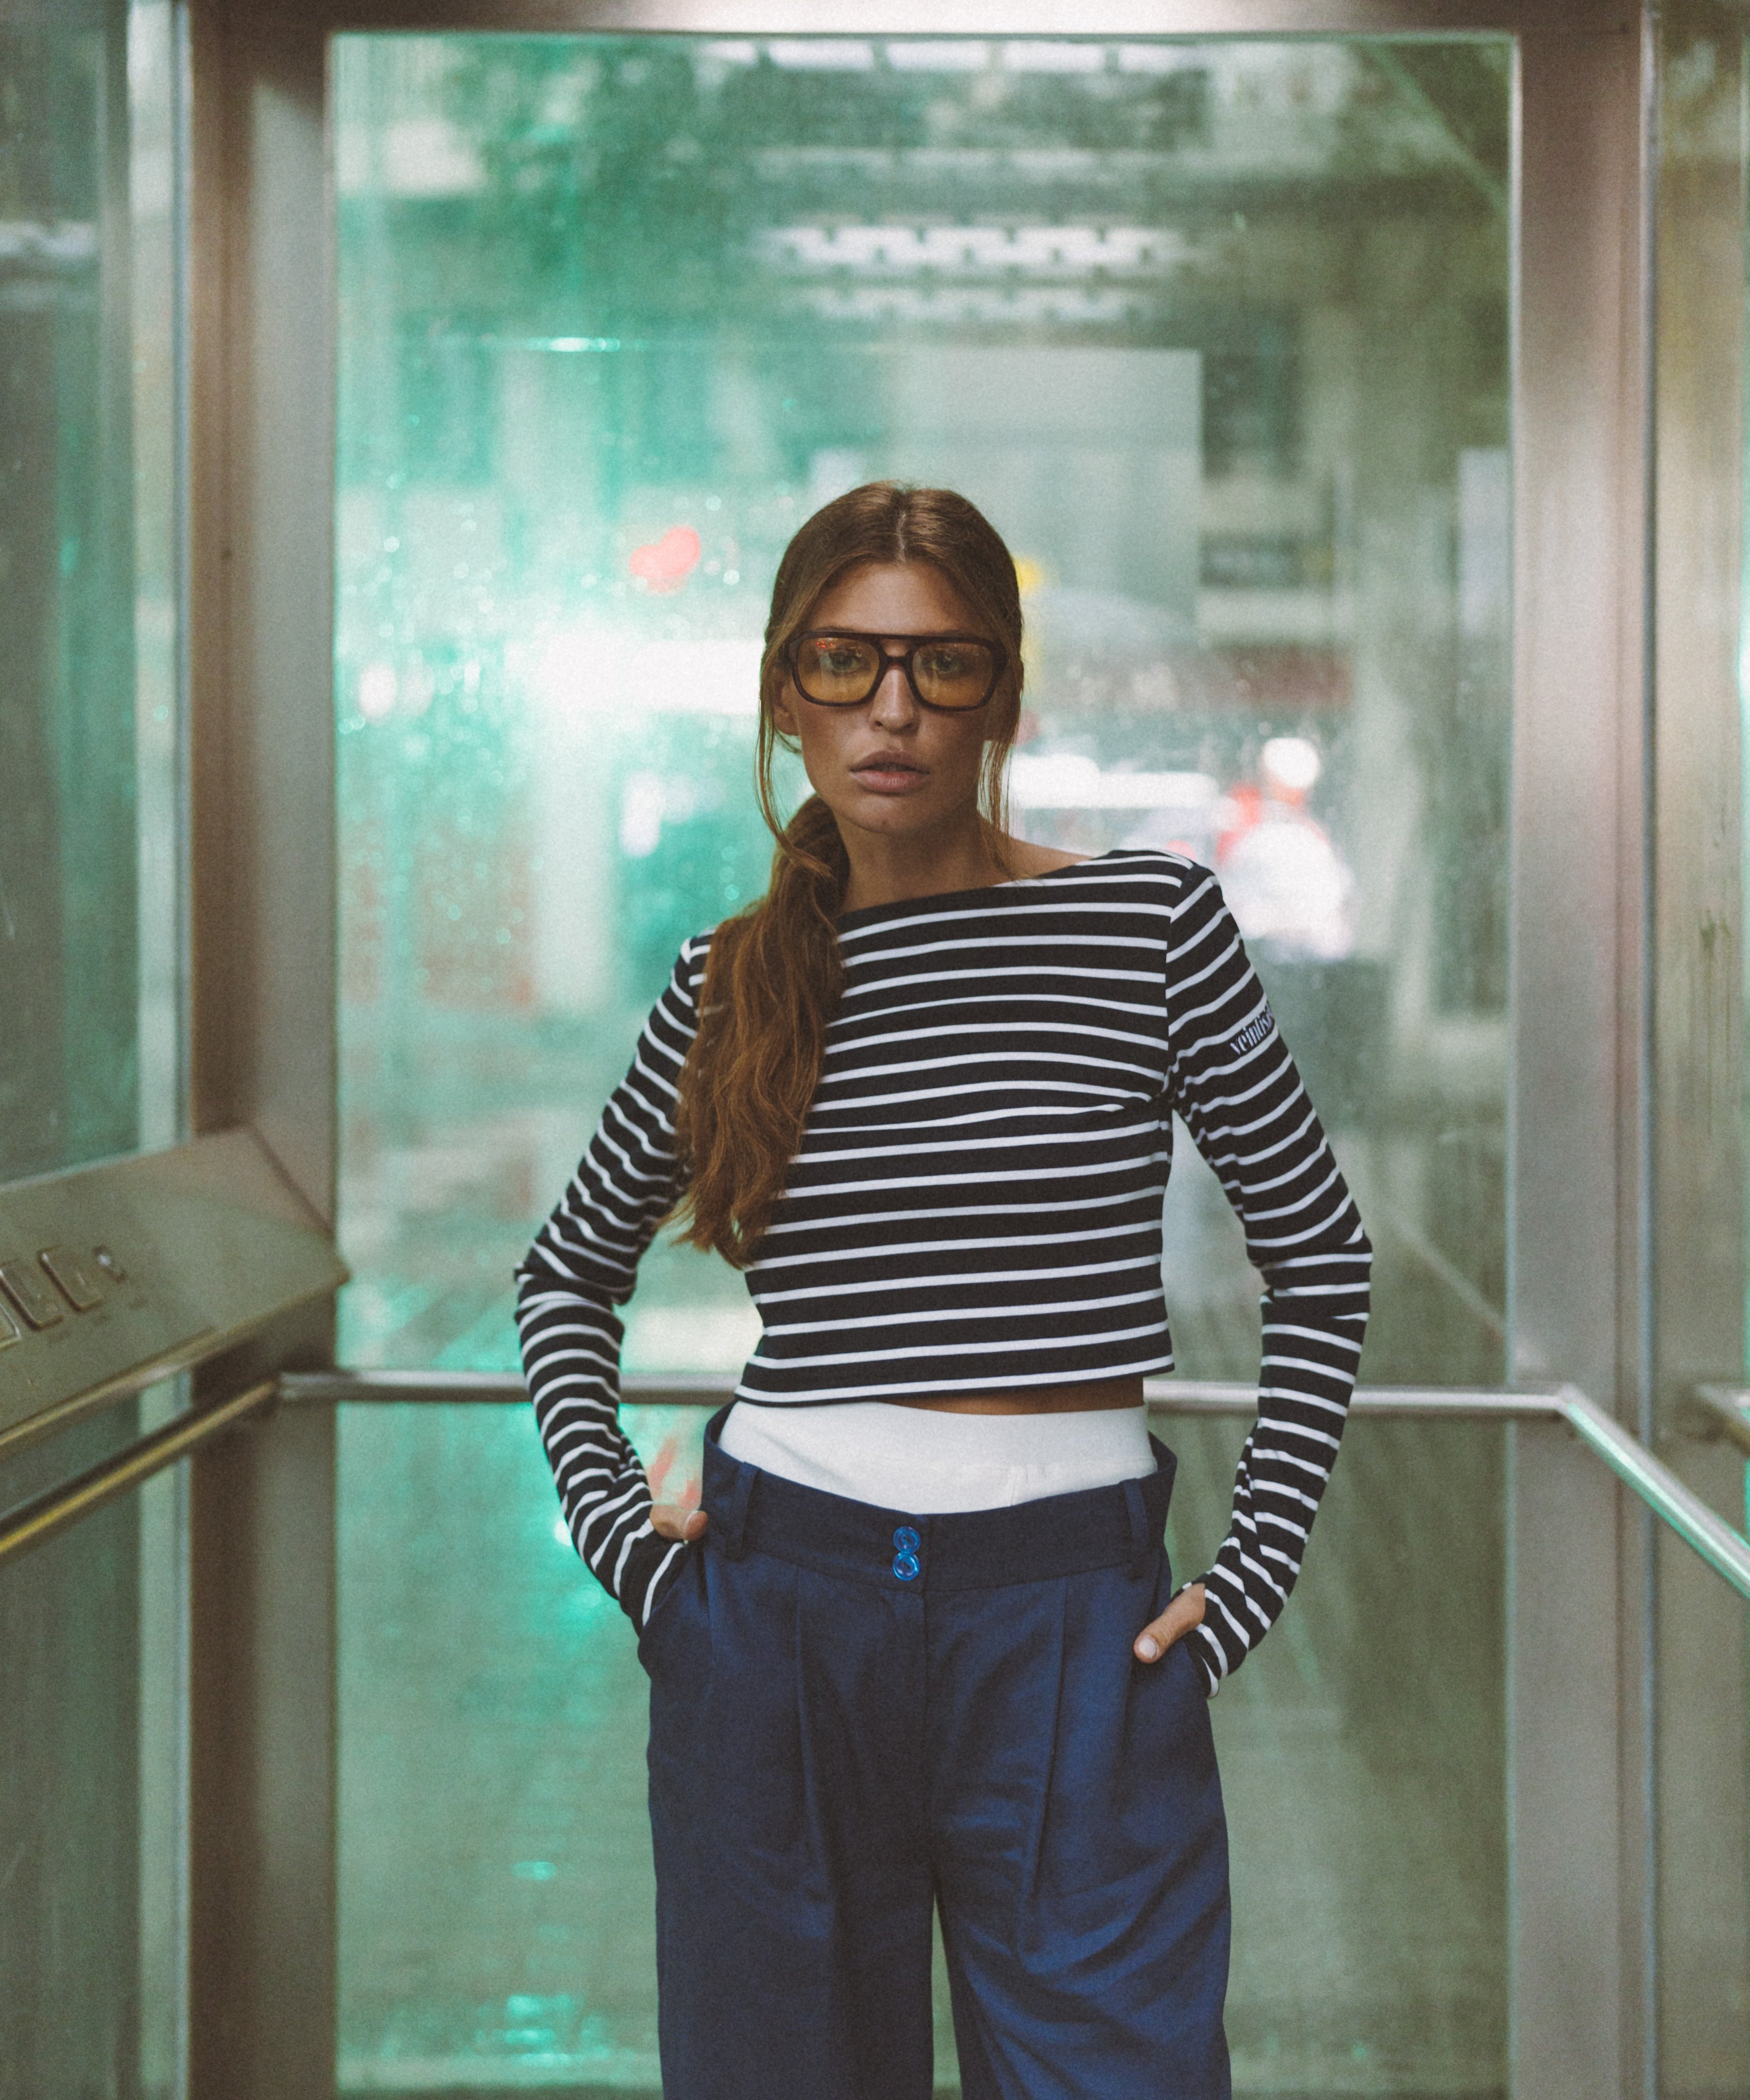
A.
pixel 88 893
pixel 1216 334
pixel 93 1956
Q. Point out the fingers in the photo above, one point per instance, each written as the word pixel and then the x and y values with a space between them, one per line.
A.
pixel 1185 1612
pixel 677 1520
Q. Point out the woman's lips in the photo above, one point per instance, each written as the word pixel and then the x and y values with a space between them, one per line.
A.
pixel 888 776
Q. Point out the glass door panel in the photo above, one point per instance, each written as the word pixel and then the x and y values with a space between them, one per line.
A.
pixel 92 1720
pixel 1217 333
pixel 89 898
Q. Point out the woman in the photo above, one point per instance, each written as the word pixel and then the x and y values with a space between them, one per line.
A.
pixel 919 1647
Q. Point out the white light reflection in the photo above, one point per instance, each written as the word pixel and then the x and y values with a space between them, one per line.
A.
pixel 950 55
pixel 1290 762
pixel 1068 303
pixel 821 55
pixel 1033 55
pixel 1001 251
pixel 1161 58
pixel 583 674
pixel 377 687
pixel 1067 780
pixel 648 801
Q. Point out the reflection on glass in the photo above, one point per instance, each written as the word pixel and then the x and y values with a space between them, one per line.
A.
pixel 92 1956
pixel 1217 333
pixel 91 1742
pixel 87 572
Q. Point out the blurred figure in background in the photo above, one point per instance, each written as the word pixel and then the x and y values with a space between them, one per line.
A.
pixel 1288 887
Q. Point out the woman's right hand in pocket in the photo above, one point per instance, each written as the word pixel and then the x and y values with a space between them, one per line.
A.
pixel 682 1520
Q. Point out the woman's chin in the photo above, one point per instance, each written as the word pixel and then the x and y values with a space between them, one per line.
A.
pixel 895 816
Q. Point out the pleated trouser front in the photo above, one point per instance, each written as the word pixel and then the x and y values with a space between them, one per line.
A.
pixel 857 1715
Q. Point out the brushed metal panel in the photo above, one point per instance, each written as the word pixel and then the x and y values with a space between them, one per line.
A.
pixel 262 1639
pixel 1703 1727
pixel 1563 1808
pixel 263 1695
pixel 214 1241
pixel 1576 1594
pixel 261 585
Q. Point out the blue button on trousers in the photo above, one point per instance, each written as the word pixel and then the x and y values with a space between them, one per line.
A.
pixel 833 1751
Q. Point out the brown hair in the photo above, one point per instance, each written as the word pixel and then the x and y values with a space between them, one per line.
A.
pixel 774 974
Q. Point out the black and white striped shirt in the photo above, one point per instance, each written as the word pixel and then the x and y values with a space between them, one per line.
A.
pixel 977 1203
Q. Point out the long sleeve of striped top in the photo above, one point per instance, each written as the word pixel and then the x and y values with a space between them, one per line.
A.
pixel 1235 1086
pixel 579 1270
pixel 977 1201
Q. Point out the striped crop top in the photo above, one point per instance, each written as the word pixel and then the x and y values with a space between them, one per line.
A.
pixel 976 1204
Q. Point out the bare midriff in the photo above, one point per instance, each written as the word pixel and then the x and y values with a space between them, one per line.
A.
pixel 1039 1399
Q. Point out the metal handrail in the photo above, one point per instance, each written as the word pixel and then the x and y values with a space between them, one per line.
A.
pixel 1700 1528
pixel 35 1522
pixel 1163 1396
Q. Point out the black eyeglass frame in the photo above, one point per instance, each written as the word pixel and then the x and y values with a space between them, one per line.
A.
pixel 904 658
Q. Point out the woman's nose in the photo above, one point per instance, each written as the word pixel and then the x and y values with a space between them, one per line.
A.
pixel 892 701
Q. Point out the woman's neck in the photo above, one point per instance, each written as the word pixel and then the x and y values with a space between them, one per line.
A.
pixel 888 870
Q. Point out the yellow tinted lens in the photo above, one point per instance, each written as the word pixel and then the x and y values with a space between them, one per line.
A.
pixel 954 674
pixel 836 667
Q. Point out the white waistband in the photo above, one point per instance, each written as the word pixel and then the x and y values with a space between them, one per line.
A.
pixel 927 1461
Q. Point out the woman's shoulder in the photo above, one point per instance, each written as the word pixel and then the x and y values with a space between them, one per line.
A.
pixel 1131 875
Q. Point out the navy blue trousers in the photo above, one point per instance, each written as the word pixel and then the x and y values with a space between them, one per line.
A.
pixel 857 1715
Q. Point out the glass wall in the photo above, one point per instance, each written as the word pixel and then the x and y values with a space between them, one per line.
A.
pixel 92 1823
pixel 87 907
pixel 92 1633
pixel 1217 333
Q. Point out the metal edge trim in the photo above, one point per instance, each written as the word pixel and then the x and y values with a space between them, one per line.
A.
pixel 187 1355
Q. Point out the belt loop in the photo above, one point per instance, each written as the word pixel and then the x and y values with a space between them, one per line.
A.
pixel 1142 1545
pixel 728 1529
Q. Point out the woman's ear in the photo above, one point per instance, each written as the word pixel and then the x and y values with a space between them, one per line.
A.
pixel 783 715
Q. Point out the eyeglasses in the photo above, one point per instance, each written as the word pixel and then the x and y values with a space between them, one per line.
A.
pixel 951 672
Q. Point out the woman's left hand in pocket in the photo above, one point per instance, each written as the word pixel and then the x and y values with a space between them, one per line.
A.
pixel 680 1521
pixel 1185 1612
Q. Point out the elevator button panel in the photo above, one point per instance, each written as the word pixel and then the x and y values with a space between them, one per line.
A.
pixel 29 1289
pixel 134 1267
pixel 76 1276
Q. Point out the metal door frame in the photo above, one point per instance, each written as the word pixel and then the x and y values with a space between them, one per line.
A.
pixel 263 964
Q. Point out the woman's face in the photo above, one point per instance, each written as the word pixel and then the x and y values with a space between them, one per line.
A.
pixel 890 766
